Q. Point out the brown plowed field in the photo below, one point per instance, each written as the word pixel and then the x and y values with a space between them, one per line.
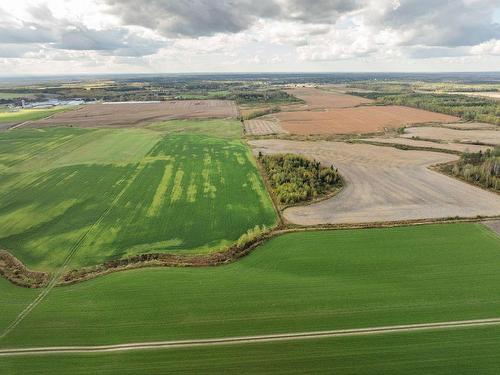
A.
pixel 131 114
pixel 262 127
pixel 460 147
pixel 452 135
pixel 316 98
pixel 384 184
pixel 358 120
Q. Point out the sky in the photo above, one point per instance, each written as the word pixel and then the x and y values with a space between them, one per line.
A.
pixel 45 37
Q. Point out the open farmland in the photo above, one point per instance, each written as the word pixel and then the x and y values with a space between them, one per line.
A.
pixel 358 120
pixel 322 99
pixel 131 114
pixel 470 126
pixel 8 119
pixel 110 193
pixel 458 147
pixel 262 127
pixel 451 351
pixel 384 184
pixel 490 137
pixel 297 282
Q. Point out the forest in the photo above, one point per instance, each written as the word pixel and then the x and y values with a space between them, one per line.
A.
pixel 481 168
pixel 294 178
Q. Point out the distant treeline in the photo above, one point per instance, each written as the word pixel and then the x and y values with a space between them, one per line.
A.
pixel 294 178
pixel 482 168
pixel 466 107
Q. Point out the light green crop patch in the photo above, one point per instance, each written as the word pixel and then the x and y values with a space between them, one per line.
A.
pixel 143 191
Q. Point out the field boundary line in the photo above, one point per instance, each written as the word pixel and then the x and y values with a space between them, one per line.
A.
pixel 251 339
pixel 73 250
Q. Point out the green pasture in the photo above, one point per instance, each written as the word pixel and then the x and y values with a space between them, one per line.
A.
pixel 219 128
pixel 30 114
pixel 120 192
pixel 304 281
pixel 458 352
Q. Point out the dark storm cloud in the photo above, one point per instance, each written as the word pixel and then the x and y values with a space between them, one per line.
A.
pixel 443 22
pixel 193 18
pixel 16 37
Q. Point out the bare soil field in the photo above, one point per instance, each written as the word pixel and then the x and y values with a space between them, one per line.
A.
pixel 262 127
pixel 491 137
pixel 460 147
pixel 131 114
pixel 322 99
pixel 485 94
pixel 358 120
pixel 384 184
pixel 471 126
pixel 494 225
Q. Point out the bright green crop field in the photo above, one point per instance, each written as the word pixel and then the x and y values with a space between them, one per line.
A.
pixel 112 193
pixel 457 352
pixel 304 281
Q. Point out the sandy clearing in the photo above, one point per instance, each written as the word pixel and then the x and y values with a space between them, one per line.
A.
pixel 453 135
pixel 262 127
pixel 130 114
pixel 460 147
pixel 358 120
pixel 316 98
pixel 251 339
pixel 384 184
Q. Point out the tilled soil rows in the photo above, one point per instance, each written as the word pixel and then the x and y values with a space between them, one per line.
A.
pixel 262 127
pixel 131 114
pixel 452 135
pixel 384 184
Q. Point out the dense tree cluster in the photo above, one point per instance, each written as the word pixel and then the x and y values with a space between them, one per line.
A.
pixel 466 107
pixel 482 168
pixel 295 178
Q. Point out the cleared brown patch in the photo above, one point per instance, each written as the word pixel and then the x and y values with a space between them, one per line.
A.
pixel 459 147
pixel 131 114
pixel 384 184
pixel 491 137
pixel 262 127
pixel 358 120
pixel 316 98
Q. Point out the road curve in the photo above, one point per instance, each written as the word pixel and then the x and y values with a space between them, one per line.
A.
pixel 250 339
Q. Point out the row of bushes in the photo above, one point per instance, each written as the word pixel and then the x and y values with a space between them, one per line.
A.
pixel 294 178
pixel 482 168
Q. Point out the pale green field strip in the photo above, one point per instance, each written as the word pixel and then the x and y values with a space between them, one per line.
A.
pixel 249 339
pixel 31 114
pixel 298 282
pixel 471 351
pixel 230 129
pixel 173 194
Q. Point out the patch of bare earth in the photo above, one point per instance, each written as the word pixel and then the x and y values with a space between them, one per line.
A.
pixel 262 127
pixel 131 114
pixel 453 135
pixel 321 99
pixel 459 147
pixel 384 184
pixel 358 120
pixel 494 225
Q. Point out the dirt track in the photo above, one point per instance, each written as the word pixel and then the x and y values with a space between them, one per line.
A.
pixel 451 135
pixel 131 114
pixel 384 184
pixel 250 339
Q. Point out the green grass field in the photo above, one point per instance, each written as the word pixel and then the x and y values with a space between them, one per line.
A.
pixel 214 128
pixel 119 192
pixel 458 352
pixel 31 114
pixel 297 282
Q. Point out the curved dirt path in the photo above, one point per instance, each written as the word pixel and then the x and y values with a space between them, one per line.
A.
pixel 384 184
pixel 250 339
